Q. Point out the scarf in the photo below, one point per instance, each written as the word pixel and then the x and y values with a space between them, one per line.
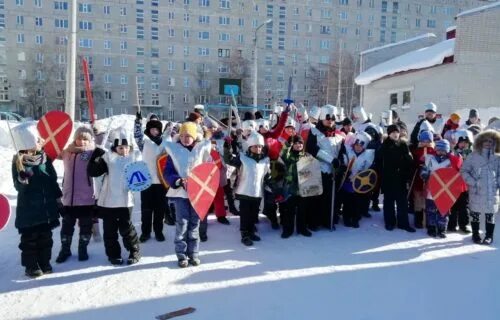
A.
pixel 24 160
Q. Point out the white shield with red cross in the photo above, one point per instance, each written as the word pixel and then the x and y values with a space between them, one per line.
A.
pixel 4 211
pixel 55 128
pixel 445 186
pixel 202 184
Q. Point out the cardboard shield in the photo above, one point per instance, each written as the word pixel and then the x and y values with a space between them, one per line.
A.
pixel 55 128
pixel 216 158
pixel 4 211
pixel 161 163
pixel 445 186
pixel 137 176
pixel 364 181
pixel 202 184
pixel 309 177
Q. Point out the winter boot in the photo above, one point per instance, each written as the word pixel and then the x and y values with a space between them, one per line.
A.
pixel 441 233
pixel 33 272
pixel 134 255
pixel 82 247
pixel 183 263
pixel 254 236
pixel 223 220
pixel 488 239
pixel 116 261
pixel 159 236
pixel 419 217
pixel 46 268
pixel 431 231
pixel 144 237
pixel 65 252
pixel 305 233
pixel 476 238
pixel 245 238
pixel 194 262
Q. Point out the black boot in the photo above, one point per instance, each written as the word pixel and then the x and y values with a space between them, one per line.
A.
pixel 431 231
pixel 33 272
pixel 82 247
pixel 245 238
pixel 476 238
pixel 488 239
pixel 419 217
pixel 441 233
pixel 134 255
pixel 65 252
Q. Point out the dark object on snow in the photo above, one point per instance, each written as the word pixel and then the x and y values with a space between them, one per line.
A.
pixel 176 313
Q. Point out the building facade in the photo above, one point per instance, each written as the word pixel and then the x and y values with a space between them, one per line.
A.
pixel 168 55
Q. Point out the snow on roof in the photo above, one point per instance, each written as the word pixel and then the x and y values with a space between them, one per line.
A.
pixel 427 35
pixel 451 28
pixel 494 5
pixel 413 60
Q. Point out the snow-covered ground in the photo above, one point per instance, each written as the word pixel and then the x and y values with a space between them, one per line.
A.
pixel 368 273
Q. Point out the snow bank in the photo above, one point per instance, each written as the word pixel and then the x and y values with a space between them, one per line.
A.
pixel 494 5
pixel 414 60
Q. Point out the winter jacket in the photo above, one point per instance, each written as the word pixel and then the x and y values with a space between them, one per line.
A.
pixel 276 132
pixel 114 192
pixel 150 153
pixel 77 185
pixel 393 163
pixel 418 162
pixel 37 200
pixel 481 172
pixel 290 159
pixel 449 126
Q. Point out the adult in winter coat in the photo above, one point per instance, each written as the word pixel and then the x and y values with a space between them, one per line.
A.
pixel 153 201
pixel 37 211
pixel 78 199
pixel 394 162
pixel 430 116
pixel 115 201
pixel 481 172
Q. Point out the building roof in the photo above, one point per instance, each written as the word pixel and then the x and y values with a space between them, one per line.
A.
pixel 422 36
pixel 413 60
pixel 491 6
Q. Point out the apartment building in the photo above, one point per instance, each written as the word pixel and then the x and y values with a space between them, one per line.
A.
pixel 168 55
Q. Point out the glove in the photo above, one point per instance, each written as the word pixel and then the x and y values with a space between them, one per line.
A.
pixel 288 108
pixel 138 116
pixel 25 175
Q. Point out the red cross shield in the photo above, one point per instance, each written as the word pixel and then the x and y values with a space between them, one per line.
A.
pixel 4 211
pixel 202 184
pixel 55 128
pixel 161 163
pixel 445 186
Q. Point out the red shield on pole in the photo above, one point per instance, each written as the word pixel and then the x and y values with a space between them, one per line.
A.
pixel 4 211
pixel 202 184
pixel 445 186
pixel 55 128
pixel 161 163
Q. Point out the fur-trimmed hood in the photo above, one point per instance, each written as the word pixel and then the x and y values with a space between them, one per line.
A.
pixel 486 135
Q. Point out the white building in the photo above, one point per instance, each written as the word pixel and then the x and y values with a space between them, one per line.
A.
pixel 457 74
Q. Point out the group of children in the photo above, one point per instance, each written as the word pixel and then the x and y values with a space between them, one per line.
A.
pixel 266 161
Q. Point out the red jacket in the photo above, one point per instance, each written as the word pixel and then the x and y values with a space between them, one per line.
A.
pixel 449 126
pixel 419 161
pixel 278 130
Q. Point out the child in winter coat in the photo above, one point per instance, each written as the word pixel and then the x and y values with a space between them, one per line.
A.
pixel 253 171
pixel 425 147
pixel 78 192
pixel 153 201
pixel 115 201
pixel 37 211
pixel 459 213
pixel 356 158
pixel 295 206
pixel 183 156
pixel 437 222
pixel 481 172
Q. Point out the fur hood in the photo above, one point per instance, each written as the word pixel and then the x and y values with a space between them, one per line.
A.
pixel 485 135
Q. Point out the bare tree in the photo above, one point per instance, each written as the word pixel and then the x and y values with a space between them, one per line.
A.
pixel 202 89
pixel 239 68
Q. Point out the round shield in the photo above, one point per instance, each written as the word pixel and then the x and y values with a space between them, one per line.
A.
pixel 364 181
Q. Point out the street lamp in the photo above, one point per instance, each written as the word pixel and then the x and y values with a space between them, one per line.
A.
pixel 255 72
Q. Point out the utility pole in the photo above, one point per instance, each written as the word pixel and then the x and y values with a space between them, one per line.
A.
pixel 71 69
pixel 255 64
pixel 339 81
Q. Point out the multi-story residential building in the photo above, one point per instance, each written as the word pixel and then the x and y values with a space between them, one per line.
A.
pixel 170 54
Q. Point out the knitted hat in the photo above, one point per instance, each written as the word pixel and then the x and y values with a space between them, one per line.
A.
pixel 455 117
pixel 392 128
pixel 443 145
pixel 153 124
pixel 85 132
pixel 189 128
pixel 193 116
pixel 473 113
pixel 425 136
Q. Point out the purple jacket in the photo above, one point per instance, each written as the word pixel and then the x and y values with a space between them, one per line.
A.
pixel 77 185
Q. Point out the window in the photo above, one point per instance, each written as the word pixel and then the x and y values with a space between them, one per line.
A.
pixel 433 10
pixel 61 59
pixel 154 33
pixel 107 61
pixel 418 8
pixel 107 78
pixel 281 43
pixel 140 67
pixel 393 99
pixel 171 82
pixel 60 5
pixel 185 34
pixel 281 61
pixel 382 35
pixel 20 20
pixel 171 32
pixel 343 30
pixel 123 45
pixel 204 19
pixel 324 30
pixel 224 21
pixel 154 3
pixel 383 21
pixel 19 2
pixel 393 36
pixel 395 7
pixel 85 25
pixel 123 11
pixel 85 7
pixel 406 98
pixel 155 68
pixel 431 23
pixel 394 23
pixel 107 10
pixel 204 35
pixel 139 15
pixel 61 23
pixel 123 95
pixel 123 79
pixel 107 26
pixel 185 66
pixel 39 57
pixel 107 96
pixel 155 99
pixel 140 32
pixel 38 21
pixel 223 36
pixel 324 44
pixel 343 15
pixel 384 6
pixel 203 51
pixel 223 68
pixel 39 39
pixel 225 4
pixel 140 51
pixel 155 52
pixel 269 60
pixel 186 82
pixel 85 43
pixel 282 13
pixel 224 53
pixel 204 3
pixel 344 2
pixel 170 49
pixel 417 23
pixel 240 38
pixel 270 10
pixel 154 16
pixel 326 13
pixel 241 22
pixel 295 27
pixel 61 41
pixel 124 62
pixel 171 65
pixel 123 28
